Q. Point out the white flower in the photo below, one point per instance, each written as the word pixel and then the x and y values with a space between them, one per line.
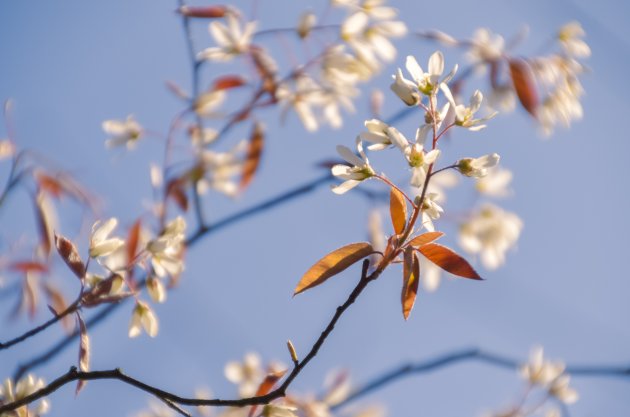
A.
pixel 491 232
pixel 464 115
pixel 143 318
pixel 359 171
pixel 100 245
pixel 496 183
pixel 247 374
pixel 232 40
pixel 376 134
pixel 428 82
pixel 417 158
pixel 570 39
pixel 477 167
pixel 166 250
pixel 125 132
pixel 405 90
pixel 341 67
pixel 430 275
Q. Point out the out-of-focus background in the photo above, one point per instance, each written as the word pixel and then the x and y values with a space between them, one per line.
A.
pixel 69 65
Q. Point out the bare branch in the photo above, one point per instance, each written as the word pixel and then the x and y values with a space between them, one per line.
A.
pixel 472 354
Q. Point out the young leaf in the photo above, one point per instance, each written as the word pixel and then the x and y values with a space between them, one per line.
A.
pixel 84 352
pixel 266 386
pixel 204 12
pixel 411 278
pixel 227 82
pixel 133 238
pixel 332 264
pixel 397 210
pixel 425 238
pixel 448 260
pixel 252 158
pixel 524 84
pixel 70 256
pixel 175 190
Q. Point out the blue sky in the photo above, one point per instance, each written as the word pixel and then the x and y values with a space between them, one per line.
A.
pixel 69 65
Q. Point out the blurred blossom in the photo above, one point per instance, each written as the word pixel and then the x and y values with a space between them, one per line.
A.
pixel 276 410
pixel 125 132
pixel 496 183
pixel 306 23
pixel 232 39
pixel 247 374
pixel 485 47
pixel 24 387
pixel 208 102
pixel 570 38
pixel 222 169
pixel 490 232
pixel 166 250
pixel 7 149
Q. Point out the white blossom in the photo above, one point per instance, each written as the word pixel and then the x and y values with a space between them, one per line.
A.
pixel 306 23
pixel 100 243
pixel 478 167
pixel 166 250
pixel 247 374
pixel 464 114
pixel 24 387
pixel 221 169
pixel 143 318
pixel 359 170
pixel 418 160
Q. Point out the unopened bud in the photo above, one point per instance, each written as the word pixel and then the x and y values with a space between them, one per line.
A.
pixel 305 25
pixel 292 351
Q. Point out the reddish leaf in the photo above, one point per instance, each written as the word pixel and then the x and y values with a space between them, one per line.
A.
pixel 332 264
pixel 425 238
pixel 105 292
pixel 58 305
pixel 411 278
pixel 266 386
pixel 70 256
pixel 132 241
pixel 397 210
pixel 266 69
pixel 177 90
pixel 84 352
pixel 448 260
pixel 252 158
pixel 28 266
pixel 524 84
pixel 227 82
pixel 176 191
pixel 204 12
pixel 42 216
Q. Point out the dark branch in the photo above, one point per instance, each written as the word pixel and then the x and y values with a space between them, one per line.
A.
pixel 74 375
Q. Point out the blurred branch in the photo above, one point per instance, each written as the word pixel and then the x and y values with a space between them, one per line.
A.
pixel 32 332
pixel 472 354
